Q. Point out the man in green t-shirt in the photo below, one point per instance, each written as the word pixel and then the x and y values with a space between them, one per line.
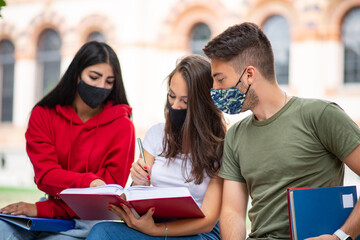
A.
pixel 286 142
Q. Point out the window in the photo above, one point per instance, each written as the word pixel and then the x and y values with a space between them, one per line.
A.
pixel 276 29
pixel 96 36
pixel 351 41
pixel 200 35
pixel 7 63
pixel 48 60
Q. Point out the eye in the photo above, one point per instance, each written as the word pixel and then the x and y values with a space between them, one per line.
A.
pixel 185 101
pixel 110 82
pixel 220 80
pixel 93 78
pixel 171 95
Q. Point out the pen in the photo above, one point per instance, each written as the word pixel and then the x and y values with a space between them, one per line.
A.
pixel 141 149
pixel 142 156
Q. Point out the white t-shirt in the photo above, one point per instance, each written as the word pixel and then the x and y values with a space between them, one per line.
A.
pixel 170 175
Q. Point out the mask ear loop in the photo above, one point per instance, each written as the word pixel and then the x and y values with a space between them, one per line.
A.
pixel 247 90
pixel 240 77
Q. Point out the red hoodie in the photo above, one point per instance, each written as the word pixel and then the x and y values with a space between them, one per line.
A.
pixel 68 153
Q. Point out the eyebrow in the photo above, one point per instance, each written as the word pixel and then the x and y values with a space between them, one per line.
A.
pixel 101 74
pixel 174 93
pixel 217 74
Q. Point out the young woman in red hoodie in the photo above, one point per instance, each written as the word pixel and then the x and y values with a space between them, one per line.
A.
pixel 80 134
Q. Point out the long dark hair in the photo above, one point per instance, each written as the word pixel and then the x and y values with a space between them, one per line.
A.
pixel 201 137
pixel 90 53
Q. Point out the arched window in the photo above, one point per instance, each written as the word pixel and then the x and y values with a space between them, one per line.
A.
pixel 48 59
pixel 200 35
pixel 96 36
pixel 351 41
pixel 276 29
pixel 7 63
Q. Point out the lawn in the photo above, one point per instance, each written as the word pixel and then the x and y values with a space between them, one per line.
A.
pixel 11 195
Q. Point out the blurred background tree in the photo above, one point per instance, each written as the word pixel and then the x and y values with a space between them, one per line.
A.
pixel 2 4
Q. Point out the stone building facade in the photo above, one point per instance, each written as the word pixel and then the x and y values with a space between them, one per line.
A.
pixel 316 45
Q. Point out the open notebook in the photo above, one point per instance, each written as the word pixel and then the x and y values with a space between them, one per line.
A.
pixel 169 202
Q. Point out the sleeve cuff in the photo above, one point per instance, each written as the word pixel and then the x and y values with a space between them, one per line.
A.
pixel 87 179
pixel 44 209
pixel 54 208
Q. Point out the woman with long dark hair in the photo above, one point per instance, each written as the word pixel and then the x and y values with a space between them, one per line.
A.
pixel 79 135
pixel 184 151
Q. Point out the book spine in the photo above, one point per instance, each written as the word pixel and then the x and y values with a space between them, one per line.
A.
pixel 289 213
pixel 28 224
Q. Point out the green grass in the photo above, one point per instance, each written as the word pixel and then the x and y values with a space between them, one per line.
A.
pixel 10 195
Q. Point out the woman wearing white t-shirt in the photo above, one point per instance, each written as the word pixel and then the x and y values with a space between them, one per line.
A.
pixel 184 151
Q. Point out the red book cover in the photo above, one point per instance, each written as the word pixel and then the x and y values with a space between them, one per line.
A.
pixel 168 208
pixel 169 203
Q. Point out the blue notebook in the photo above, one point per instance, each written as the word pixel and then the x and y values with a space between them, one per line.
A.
pixel 39 224
pixel 317 211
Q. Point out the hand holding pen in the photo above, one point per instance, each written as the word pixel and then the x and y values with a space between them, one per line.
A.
pixel 139 170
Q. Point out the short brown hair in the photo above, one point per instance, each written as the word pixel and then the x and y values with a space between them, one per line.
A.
pixel 243 44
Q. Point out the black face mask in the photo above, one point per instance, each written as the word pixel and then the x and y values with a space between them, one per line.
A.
pixel 92 96
pixel 177 115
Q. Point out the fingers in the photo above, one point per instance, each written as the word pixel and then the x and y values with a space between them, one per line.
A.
pixel 139 179
pixel 97 182
pixel 124 213
pixel 11 208
pixel 140 172
pixel 323 237
pixel 118 211
pixel 20 208
pixel 143 165
pixel 130 219
pixel 149 213
pixel 127 210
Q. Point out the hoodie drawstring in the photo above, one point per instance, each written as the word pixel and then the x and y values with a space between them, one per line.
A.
pixel 70 143
pixel 96 137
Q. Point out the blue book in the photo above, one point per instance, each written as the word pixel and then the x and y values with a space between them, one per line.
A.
pixel 317 211
pixel 39 224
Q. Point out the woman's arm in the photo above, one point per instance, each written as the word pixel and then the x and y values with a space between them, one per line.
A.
pixel 211 207
pixel 116 168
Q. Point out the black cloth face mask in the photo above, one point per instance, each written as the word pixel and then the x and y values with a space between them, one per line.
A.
pixel 92 96
pixel 177 115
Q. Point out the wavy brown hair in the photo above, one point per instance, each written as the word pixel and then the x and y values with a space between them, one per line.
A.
pixel 201 137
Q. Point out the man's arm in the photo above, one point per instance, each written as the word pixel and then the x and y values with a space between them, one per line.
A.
pixel 233 210
pixel 351 225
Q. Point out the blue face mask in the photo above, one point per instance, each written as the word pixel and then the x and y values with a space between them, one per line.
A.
pixel 229 100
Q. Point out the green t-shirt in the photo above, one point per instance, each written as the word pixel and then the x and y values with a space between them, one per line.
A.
pixel 302 145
